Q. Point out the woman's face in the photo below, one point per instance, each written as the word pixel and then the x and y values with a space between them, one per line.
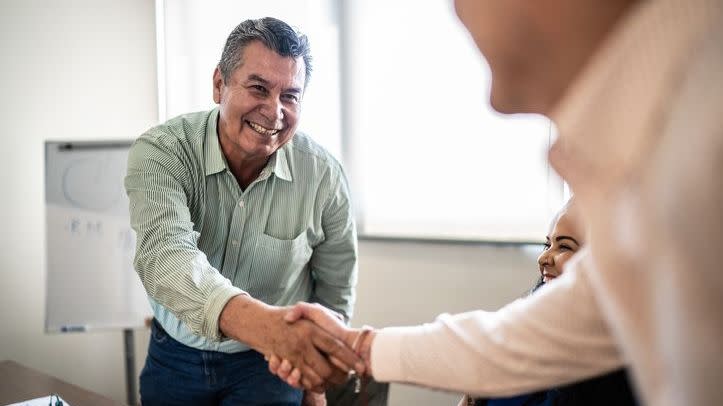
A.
pixel 564 240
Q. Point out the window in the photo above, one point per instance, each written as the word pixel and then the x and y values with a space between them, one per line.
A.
pixel 400 93
pixel 431 159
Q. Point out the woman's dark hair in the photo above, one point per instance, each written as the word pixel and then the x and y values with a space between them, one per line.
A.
pixel 540 282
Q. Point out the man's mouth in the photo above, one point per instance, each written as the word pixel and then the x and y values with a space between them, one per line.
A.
pixel 269 132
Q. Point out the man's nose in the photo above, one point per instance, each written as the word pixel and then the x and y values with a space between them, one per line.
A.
pixel 273 110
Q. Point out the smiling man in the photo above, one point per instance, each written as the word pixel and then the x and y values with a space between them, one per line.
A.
pixel 238 215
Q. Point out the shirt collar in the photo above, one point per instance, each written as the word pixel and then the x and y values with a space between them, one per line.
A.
pixel 278 165
pixel 279 162
pixel 216 162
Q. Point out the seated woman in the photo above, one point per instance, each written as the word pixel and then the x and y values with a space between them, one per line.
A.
pixel 466 352
pixel 565 238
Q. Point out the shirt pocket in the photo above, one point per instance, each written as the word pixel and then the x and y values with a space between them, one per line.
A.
pixel 279 265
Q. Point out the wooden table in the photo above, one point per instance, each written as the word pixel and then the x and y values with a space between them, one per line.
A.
pixel 19 383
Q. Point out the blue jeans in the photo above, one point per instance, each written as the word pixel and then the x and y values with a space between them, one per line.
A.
pixel 175 374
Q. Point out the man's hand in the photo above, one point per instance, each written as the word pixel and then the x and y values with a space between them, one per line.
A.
pixel 303 343
pixel 330 321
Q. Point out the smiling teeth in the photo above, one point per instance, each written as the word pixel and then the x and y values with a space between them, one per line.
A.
pixel 262 130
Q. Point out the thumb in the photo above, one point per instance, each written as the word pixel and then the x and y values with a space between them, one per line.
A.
pixel 295 313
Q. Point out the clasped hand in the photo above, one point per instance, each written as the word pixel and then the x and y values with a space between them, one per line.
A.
pixel 314 344
pixel 296 374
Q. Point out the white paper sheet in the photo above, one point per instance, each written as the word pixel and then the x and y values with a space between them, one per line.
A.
pixel 45 401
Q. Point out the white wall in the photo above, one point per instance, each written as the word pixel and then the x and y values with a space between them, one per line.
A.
pixel 77 70
pixel 86 70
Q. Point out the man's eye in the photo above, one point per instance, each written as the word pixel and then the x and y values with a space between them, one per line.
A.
pixel 565 247
pixel 547 246
pixel 259 88
pixel 292 98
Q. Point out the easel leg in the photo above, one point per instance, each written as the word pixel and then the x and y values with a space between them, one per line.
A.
pixel 130 356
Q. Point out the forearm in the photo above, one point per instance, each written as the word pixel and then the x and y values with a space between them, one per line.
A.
pixel 243 318
pixel 554 337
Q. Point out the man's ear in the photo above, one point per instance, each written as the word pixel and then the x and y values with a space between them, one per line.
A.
pixel 217 84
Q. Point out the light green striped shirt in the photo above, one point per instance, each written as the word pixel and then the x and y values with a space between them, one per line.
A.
pixel 289 236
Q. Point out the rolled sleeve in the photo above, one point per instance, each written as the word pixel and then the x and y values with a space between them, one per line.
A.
pixel 214 305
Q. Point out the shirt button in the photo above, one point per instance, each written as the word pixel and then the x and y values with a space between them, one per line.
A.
pixel 241 204
pixel 234 243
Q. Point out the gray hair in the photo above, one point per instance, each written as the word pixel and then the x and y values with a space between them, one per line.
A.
pixel 274 33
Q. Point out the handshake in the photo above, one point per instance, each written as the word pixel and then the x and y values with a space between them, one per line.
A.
pixel 333 352
pixel 307 345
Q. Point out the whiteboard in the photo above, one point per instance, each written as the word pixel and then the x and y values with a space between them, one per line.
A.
pixel 90 280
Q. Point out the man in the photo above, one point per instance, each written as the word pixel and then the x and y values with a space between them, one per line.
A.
pixel 238 215
pixel 635 88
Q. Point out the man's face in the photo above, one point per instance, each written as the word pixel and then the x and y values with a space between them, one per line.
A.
pixel 260 104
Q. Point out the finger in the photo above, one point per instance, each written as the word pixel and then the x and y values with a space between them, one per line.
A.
pixel 324 318
pixel 274 364
pixel 335 348
pixel 294 378
pixel 332 312
pixel 294 313
pixel 309 379
pixel 305 310
pixel 285 369
pixel 339 364
pixel 316 307
pixel 315 368
pixel 309 387
pixel 334 375
pixel 337 377
pixel 306 383
pixel 295 384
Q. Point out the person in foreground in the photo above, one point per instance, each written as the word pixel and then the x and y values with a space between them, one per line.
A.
pixel 238 215
pixel 566 236
pixel 635 88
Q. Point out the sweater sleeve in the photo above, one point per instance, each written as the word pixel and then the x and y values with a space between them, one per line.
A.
pixel 553 337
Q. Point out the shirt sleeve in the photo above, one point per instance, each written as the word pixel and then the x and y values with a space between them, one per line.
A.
pixel 553 337
pixel 174 272
pixel 334 261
